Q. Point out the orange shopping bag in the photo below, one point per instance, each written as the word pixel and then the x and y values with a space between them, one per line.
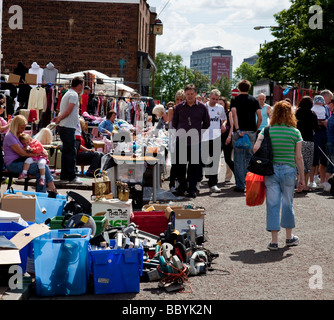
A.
pixel 255 190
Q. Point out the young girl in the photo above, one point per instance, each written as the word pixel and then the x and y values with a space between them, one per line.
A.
pixel 35 147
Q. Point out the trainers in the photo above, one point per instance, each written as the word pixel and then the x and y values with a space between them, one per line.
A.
pixel 215 189
pixel 22 175
pixel 326 186
pixel 312 185
pixel 316 179
pixel 42 182
pixel 76 180
pixel 294 241
pixel 272 246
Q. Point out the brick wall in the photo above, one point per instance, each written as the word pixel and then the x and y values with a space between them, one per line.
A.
pixel 75 36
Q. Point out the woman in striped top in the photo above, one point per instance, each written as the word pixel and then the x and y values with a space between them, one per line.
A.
pixel 287 145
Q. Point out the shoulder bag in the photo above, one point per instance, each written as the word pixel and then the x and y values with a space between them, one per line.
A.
pixel 261 162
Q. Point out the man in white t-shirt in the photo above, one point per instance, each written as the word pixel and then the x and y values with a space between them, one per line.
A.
pixel 211 140
pixel 68 120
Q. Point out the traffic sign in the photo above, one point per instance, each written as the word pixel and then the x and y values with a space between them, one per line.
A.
pixel 235 92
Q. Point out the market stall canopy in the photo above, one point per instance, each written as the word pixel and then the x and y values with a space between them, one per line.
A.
pixel 111 86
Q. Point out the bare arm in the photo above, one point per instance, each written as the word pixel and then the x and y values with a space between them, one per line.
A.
pixel 259 119
pixel 21 152
pixel 258 143
pixel 64 115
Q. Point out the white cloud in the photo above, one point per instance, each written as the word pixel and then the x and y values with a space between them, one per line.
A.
pixel 192 25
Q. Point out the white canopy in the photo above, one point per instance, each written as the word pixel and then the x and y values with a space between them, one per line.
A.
pixel 108 85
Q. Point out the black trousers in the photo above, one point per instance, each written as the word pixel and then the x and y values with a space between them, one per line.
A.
pixel 68 153
pixel 227 149
pixel 188 168
pixel 92 158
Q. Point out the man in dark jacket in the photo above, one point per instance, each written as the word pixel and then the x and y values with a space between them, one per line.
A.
pixel 189 119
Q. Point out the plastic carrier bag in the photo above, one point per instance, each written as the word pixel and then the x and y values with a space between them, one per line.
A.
pixel 255 189
pixel 243 142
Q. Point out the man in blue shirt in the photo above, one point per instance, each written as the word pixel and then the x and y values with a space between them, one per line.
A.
pixel 106 127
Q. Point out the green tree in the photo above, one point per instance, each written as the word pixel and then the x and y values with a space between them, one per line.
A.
pixel 169 77
pixel 252 73
pixel 302 52
pixel 224 85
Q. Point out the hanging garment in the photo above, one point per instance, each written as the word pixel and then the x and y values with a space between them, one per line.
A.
pixel 36 69
pixel 37 99
pixel 50 73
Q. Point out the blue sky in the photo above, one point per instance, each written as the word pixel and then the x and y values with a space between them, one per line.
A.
pixel 190 25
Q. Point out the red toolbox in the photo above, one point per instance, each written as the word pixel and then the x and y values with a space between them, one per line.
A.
pixel 154 222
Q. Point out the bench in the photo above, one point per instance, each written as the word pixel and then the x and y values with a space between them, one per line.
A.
pixel 11 175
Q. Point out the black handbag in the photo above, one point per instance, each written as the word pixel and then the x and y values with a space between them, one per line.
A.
pixel 261 162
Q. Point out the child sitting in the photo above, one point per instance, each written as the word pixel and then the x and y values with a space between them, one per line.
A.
pixel 35 147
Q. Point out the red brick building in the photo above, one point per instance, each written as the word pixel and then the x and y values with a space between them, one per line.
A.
pixel 110 36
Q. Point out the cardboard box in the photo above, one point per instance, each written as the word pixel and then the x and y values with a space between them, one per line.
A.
pixel 117 212
pixel 181 218
pixel 10 256
pixel 24 205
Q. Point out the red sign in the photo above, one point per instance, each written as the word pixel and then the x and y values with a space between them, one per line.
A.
pixel 235 92
pixel 221 66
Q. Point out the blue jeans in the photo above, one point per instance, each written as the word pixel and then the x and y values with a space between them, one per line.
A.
pixel 279 197
pixel 330 154
pixel 241 159
pixel 17 167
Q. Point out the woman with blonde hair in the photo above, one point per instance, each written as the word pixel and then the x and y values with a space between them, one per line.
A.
pixel 286 142
pixel 15 154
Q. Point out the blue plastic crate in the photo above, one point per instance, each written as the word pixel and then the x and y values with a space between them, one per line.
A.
pixel 9 230
pixel 62 264
pixel 54 206
pixel 117 270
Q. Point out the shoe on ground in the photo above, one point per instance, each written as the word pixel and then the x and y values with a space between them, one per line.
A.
pixel 42 182
pixel 76 180
pixel 192 195
pixel 313 185
pixel 215 189
pixel 326 186
pixel 294 241
pixel 180 193
pixel 272 246
pixel 172 189
pixel 236 189
pixel 316 179
pixel 22 175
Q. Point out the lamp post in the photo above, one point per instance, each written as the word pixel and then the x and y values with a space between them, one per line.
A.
pixel 266 27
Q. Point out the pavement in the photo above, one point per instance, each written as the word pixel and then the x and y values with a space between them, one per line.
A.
pixel 245 268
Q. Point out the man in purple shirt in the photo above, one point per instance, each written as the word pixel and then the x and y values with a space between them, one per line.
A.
pixel 189 119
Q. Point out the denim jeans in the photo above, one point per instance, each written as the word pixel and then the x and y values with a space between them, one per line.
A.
pixel 68 153
pixel 17 167
pixel 279 197
pixel 242 158
pixel 330 154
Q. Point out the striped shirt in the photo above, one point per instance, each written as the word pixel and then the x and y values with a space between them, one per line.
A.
pixel 284 140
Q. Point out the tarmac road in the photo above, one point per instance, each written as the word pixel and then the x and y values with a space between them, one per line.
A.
pixel 245 268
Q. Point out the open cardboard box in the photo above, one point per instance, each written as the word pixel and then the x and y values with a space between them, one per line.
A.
pixel 181 217
pixel 10 255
